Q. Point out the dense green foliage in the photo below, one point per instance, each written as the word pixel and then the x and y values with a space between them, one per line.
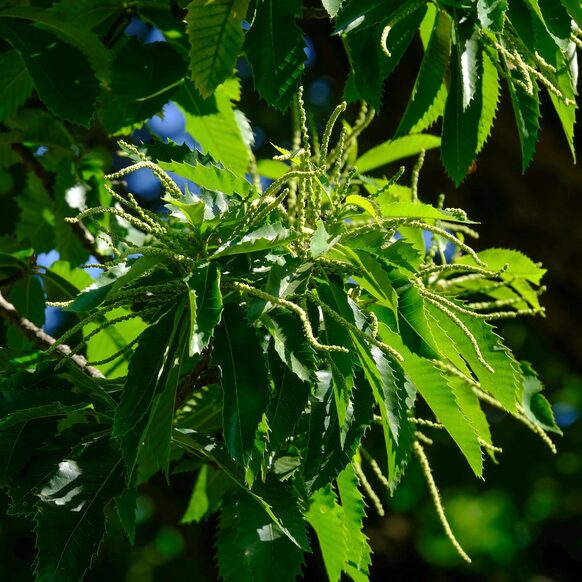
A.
pixel 253 335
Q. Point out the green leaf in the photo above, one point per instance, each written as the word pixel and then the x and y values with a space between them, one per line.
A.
pixel 143 78
pixel 431 74
pixel 207 494
pixel 275 498
pixel 321 241
pixel 244 381
pixel 70 30
pixel 357 14
pixel 61 74
pixel 536 407
pixel 214 124
pixel 288 402
pixel 145 379
pixel 36 221
pixel 15 83
pixel 274 46
pixel 369 64
pixel 491 14
pixel 290 343
pixel 28 298
pixel 216 36
pixel 210 177
pixel 526 109
pixel 433 387
pixel 155 440
pixel 574 10
pixel 491 91
pixel 21 406
pixel 358 556
pixel 414 327
pixel 503 383
pixel 326 517
pixel 265 237
pixel 461 124
pixel 332 6
pixel 206 309
pixel 518 264
pixel 126 505
pixel 70 522
pixel 415 210
pixel 396 149
pixel 268 553
pixel 342 372
pixel 366 204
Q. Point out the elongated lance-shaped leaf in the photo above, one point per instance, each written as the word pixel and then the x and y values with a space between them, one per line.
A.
pixel 210 177
pixel 327 519
pixel 471 407
pixel 210 488
pixel 290 343
pixel 27 296
pixel 289 399
pixel 274 497
pixel 461 123
pixel 504 382
pixel 143 78
pixel 16 84
pixel 253 547
pixel 534 403
pixel 155 440
pixel 341 363
pixel 370 65
pixel 244 381
pixel 70 522
pixel 274 46
pixel 358 557
pixel 414 328
pixel 325 458
pixel 151 367
pixel 214 124
pixel 431 73
pixel 216 36
pixel 433 387
pixel 126 506
pixel 18 406
pixel 205 306
pixel 396 149
pixel 491 14
pixel 491 91
pixel 263 238
pixel 61 74
pixel 526 109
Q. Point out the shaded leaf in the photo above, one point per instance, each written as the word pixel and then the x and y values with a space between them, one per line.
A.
pixel 61 73
pixel 15 83
pixel 274 46
pixel 244 381
pixel 70 522
pixel 289 400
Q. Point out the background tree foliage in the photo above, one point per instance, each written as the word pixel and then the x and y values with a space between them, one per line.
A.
pixel 253 334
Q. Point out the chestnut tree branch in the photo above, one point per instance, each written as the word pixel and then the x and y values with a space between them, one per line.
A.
pixel 42 339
